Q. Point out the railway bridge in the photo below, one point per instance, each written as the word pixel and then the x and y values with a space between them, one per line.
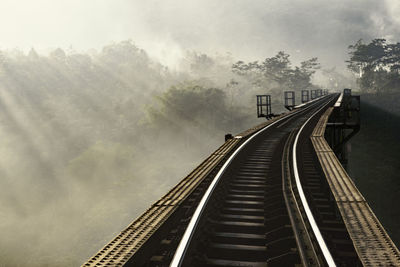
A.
pixel 277 194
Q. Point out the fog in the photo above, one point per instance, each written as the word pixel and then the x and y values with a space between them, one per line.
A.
pixel 94 127
pixel 89 141
pixel 249 30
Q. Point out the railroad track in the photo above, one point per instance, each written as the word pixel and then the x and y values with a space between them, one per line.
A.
pixel 243 219
pixel 153 238
pixel 275 195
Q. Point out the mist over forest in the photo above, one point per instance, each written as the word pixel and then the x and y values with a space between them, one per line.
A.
pixel 93 129
pixel 89 141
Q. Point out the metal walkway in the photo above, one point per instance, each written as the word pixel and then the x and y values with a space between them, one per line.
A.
pixel 373 245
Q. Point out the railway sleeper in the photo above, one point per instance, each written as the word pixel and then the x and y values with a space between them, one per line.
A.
pixel 239 227
pixel 275 210
pixel 237 252
pixel 239 238
pixel 274 234
pixel 277 221
pixel 218 262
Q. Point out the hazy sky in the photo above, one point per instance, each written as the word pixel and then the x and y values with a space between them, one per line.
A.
pixel 249 29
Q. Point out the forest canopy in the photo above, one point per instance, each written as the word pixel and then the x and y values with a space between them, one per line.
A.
pixel 377 64
pixel 103 134
pixel 278 70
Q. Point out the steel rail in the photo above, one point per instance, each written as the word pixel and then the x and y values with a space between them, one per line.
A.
pixel 286 186
pixel 321 242
pixel 185 241
pixel 302 235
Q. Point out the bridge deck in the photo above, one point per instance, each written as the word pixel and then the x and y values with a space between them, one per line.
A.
pixel 119 250
pixel 373 245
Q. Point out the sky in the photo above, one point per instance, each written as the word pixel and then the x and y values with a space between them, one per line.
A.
pixel 249 29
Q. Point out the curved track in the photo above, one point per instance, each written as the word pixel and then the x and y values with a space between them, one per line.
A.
pixel 242 220
pixel 274 195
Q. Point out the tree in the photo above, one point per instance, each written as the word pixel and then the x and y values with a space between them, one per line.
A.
pixel 376 63
pixel 58 55
pixel 278 70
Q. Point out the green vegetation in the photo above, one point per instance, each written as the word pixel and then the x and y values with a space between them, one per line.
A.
pixel 277 73
pixel 377 64
pixel 89 140
pixel 189 105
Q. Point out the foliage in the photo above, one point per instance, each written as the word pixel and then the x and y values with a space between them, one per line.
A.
pixel 377 64
pixel 69 130
pixel 196 106
pixel 278 70
pixel 103 164
pixel 88 140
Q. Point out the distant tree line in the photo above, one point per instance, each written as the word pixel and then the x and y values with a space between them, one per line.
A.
pixel 377 64
pixel 278 72
pixel 104 133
